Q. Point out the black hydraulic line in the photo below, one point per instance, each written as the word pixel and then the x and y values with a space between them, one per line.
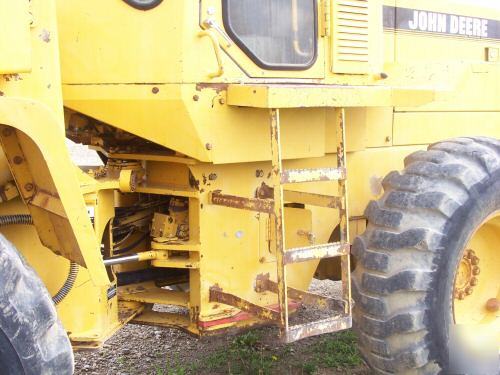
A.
pixel 68 284
pixel 131 246
pixel 24 219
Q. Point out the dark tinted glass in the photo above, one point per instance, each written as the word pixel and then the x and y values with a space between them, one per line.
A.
pixel 275 33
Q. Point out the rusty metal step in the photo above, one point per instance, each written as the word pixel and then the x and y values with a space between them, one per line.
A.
pixel 303 254
pixel 329 325
pixel 292 176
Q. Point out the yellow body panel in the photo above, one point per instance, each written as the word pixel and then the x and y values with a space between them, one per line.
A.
pixel 181 113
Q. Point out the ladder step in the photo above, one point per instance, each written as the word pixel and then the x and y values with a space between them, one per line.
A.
pixel 320 327
pixel 159 296
pixel 303 254
pixel 312 199
pixel 292 176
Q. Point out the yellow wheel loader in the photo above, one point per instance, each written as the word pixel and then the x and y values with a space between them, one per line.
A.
pixel 244 144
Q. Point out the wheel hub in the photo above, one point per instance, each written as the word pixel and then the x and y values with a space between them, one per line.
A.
pixel 468 271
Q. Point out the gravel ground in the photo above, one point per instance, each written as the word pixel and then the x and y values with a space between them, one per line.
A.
pixel 154 350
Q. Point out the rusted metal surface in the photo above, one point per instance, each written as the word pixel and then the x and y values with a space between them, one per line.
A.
pixel 467 276
pixel 263 283
pixel 493 305
pixel 303 254
pixel 276 173
pixel 291 176
pixel 329 325
pixel 217 295
pixel 345 261
pixel 47 200
pixel 264 192
pixel 217 87
pixel 251 204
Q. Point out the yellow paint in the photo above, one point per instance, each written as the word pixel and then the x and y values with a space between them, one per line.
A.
pixel 201 109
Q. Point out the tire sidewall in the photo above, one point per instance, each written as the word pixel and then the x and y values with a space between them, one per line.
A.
pixel 483 202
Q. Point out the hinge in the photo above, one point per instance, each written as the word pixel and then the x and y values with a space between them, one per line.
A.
pixel 325 18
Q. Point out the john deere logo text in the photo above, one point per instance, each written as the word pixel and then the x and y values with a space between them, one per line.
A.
pixel 448 24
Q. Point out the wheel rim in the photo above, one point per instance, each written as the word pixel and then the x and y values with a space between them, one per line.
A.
pixel 477 280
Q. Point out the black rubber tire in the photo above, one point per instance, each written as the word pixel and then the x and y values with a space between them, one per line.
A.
pixel 408 256
pixel 32 340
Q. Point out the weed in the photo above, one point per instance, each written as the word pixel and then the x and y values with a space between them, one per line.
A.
pixel 337 350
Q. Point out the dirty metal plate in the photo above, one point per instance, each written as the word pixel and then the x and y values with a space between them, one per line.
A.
pixel 291 176
pixel 305 254
pixel 329 325
pixel 251 204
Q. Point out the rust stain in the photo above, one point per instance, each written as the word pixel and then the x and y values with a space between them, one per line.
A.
pixel 217 87
pixel 251 204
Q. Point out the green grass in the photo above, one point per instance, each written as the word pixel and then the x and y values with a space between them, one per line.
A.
pixel 248 354
pixel 333 351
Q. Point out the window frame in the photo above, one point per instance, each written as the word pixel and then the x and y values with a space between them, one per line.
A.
pixel 283 67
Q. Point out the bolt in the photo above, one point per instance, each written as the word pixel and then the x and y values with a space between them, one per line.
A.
pixel 29 186
pixel 388 138
pixel 7 132
pixel 208 146
pixel 155 90
pixel 18 160
pixel 222 101
pixel 493 305
pixel 196 98
pixel 474 281
pixel 259 173
pixel 212 176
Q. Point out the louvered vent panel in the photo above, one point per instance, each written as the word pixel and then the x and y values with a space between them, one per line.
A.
pixel 353 35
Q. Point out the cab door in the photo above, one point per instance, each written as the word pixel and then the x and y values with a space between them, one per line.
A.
pixel 269 39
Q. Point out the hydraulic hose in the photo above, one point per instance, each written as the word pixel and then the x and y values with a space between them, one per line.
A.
pixel 24 219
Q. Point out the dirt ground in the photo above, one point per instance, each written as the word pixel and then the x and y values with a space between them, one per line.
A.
pixel 155 350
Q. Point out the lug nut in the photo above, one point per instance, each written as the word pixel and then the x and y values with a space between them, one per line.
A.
pixel 474 281
pixel 493 305
pixel 474 260
pixel 476 271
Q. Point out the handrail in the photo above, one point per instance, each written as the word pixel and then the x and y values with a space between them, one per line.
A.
pixel 217 50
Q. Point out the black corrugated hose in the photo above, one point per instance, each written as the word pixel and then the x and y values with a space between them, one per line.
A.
pixel 73 268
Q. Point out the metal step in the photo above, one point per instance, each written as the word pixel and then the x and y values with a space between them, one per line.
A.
pixel 292 176
pixel 333 324
pixel 148 293
pixel 303 254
